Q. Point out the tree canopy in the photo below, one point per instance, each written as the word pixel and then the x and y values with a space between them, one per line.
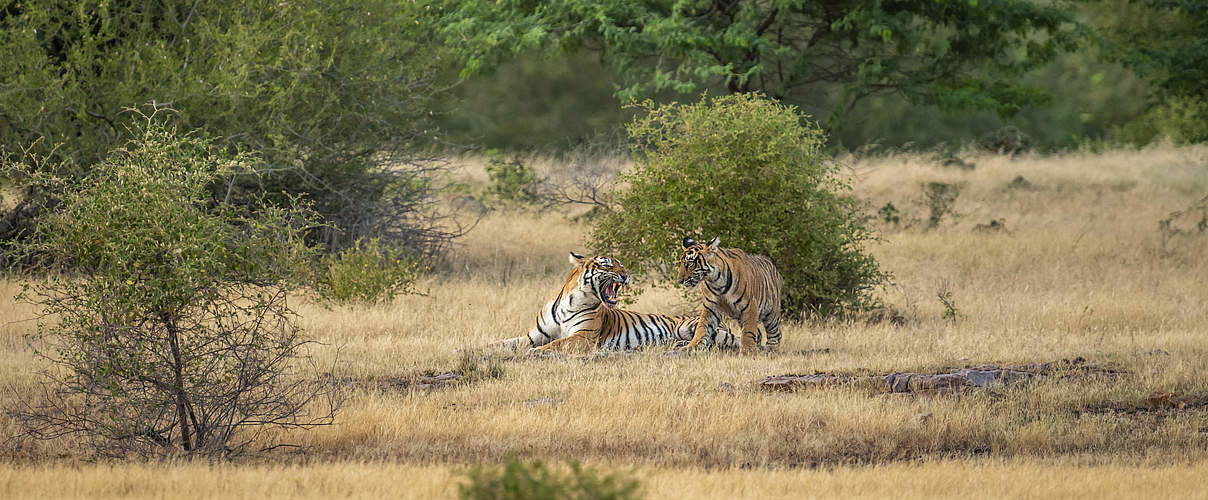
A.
pixel 1165 41
pixel 325 92
pixel 950 53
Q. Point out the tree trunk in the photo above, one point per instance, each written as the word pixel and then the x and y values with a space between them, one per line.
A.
pixel 178 384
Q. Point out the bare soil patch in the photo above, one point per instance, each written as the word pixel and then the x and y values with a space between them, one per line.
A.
pixel 402 383
pixel 984 376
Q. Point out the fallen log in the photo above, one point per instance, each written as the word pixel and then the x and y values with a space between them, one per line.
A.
pixel 949 380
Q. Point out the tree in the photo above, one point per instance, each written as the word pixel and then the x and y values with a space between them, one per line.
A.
pixel 956 54
pixel 1164 42
pixel 745 169
pixel 165 317
pixel 330 94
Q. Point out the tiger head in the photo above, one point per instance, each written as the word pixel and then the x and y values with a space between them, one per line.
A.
pixel 601 277
pixel 696 266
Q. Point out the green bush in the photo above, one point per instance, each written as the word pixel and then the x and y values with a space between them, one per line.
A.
pixel 167 324
pixel 750 171
pixel 521 481
pixel 329 94
pixel 1183 120
pixel 367 274
pixel 939 197
pixel 511 180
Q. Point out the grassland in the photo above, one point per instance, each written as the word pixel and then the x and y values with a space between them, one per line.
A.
pixel 1081 270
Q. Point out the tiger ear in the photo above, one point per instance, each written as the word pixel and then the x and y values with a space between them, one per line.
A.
pixel 576 259
pixel 714 244
pixel 689 242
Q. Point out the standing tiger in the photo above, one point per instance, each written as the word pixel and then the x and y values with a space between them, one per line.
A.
pixel 583 315
pixel 744 287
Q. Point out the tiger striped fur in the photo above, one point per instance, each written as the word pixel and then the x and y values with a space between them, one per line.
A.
pixel 743 287
pixel 583 316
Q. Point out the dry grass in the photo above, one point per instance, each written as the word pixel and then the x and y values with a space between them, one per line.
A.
pixel 1081 271
pixel 371 480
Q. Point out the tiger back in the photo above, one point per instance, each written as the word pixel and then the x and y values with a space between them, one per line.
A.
pixel 737 285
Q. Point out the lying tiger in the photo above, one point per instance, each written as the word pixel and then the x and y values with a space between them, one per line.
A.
pixel 583 316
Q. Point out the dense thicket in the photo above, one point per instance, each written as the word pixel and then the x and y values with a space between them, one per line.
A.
pixel 961 55
pixel 1166 43
pixel 1133 79
pixel 330 95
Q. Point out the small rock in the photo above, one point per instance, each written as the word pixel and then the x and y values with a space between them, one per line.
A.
pixel 468 204
pixel 542 402
pixel 726 387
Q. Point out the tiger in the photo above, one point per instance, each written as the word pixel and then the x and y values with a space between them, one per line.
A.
pixel 583 316
pixel 744 287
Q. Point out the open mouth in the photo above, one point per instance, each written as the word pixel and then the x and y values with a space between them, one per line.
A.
pixel 611 291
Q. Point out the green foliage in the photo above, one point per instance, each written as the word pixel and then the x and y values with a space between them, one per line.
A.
pixel 1163 42
pixel 169 312
pixel 511 180
pixel 750 171
pixel 890 214
pixel 1160 40
pixel 1182 120
pixel 1006 140
pixel 951 313
pixel 955 54
pixel 535 481
pixel 368 273
pixel 536 103
pixel 328 93
pixel 939 197
pixel 558 103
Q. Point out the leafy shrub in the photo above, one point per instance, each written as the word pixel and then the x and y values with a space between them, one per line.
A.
pixel 330 94
pixel 511 180
pixel 890 214
pixel 951 313
pixel 518 480
pixel 1006 140
pixel 1183 120
pixel 172 333
pixel 368 274
pixel 750 171
pixel 939 198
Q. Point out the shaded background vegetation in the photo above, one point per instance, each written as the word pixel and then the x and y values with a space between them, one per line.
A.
pixel 349 103
pixel 331 95
pixel 1129 61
